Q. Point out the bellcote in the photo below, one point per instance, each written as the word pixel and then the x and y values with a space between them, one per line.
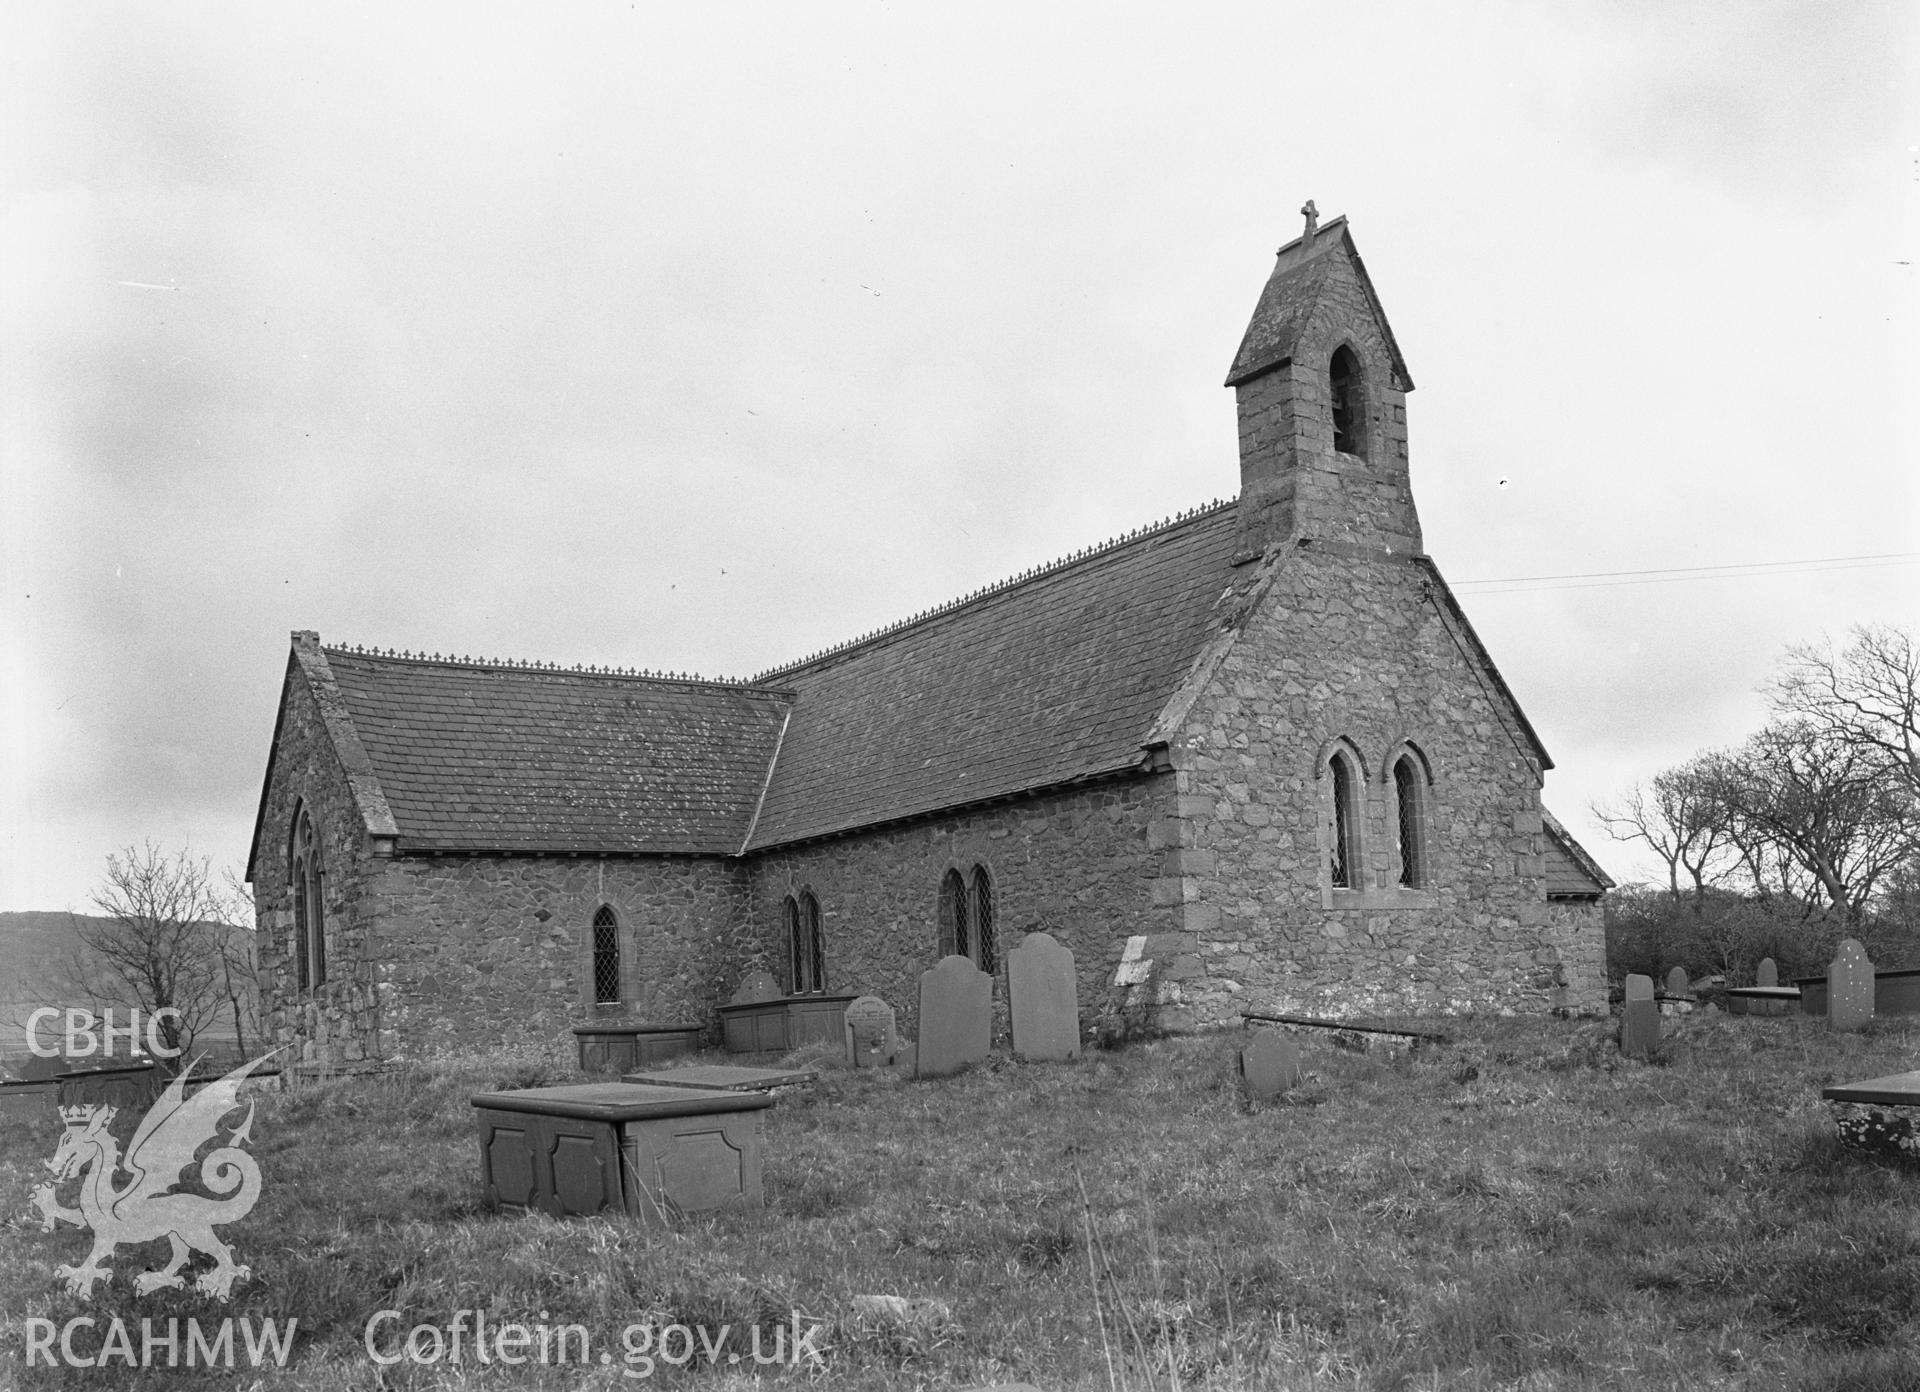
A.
pixel 1321 391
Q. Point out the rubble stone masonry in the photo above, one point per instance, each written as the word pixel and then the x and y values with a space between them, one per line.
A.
pixel 337 1021
pixel 1079 865
pixel 485 951
pixel 1353 645
pixel 438 954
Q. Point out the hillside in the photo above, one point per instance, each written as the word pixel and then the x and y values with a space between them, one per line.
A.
pixel 32 944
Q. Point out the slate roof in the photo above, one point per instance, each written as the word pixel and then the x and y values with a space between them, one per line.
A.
pixel 1050 680
pixel 1571 872
pixel 1056 677
pixel 485 757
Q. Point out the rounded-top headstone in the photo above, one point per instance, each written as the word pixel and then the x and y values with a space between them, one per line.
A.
pixel 1850 987
pixel 1043 999
pixel 1677 984
pixel 869 1025
pixel 956 1017
pixel 1639 1019
pixel 1767 974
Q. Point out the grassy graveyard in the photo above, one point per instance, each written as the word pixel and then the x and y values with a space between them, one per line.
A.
pixel 1518 1209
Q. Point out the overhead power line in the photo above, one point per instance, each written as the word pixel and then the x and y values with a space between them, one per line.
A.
pixel 1601 579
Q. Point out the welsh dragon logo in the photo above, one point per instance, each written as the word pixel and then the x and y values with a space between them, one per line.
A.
pixel 149 1205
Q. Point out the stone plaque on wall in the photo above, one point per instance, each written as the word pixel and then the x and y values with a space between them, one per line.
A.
pixel 956 1017
pixel 1043 999
pixel 758 986
pixel 871 1041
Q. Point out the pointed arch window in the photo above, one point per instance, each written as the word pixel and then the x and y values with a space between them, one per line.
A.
pixel 1346 393
pixel 967 917
pixel 309 905
pixel 806 951
pixel 1410 819
pixel 956 937
pixel 1343 819
pixel 606 957
pixel 984 955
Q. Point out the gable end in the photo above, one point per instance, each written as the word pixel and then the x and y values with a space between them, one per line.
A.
pixel 309 662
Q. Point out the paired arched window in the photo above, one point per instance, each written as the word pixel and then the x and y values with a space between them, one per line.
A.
pixel 606 957
pixel 1342 815
pixel 1406 779
pixel 1409 779
pixel 1346 393
pixel 966 917
pixel 806 953
pixel 309 904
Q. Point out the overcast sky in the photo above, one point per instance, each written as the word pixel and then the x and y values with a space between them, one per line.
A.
pixel 699 337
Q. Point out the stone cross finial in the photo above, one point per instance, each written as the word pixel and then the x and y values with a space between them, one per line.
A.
pixel 1312 215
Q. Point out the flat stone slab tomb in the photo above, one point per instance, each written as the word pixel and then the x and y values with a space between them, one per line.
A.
pixel 1879 1114
pixel 782 1024
pixel 648 1152
pixel 1357 1031
pixel 1763 1000
pixel 722 1077
pixel 1895 992
pixel 613 1046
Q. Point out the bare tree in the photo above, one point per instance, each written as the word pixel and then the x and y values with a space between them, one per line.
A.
pixel 1866 696
pixel 1680 819
pixel 239 960
pixel 170 940
pixel 1798 796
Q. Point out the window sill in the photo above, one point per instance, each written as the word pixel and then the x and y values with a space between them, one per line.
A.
pixel 1377 898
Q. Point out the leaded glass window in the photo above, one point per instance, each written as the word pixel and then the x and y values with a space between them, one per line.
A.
pixel 806 948
pixel 955 940
pixel 606 957
pixel 1344 850
pixel 983 955
pixel 1410 809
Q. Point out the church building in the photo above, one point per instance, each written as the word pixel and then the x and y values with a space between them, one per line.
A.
pixel 1250 758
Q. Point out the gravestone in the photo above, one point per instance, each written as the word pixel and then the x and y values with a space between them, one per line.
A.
pixel 1639 1019
pixel 1043 999
pixel 1766 974
pixel 871 1041
pixel 1850 988
pixel 1270 1064
pixel 956 1017
pixel 1677 982
pixel 758 986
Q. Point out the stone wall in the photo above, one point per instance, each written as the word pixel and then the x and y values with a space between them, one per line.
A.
pixel 1577 929
pixel 1080 865
pixel 1350 645
pixel 340 1019
pixel 480 951
pixel 434 955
